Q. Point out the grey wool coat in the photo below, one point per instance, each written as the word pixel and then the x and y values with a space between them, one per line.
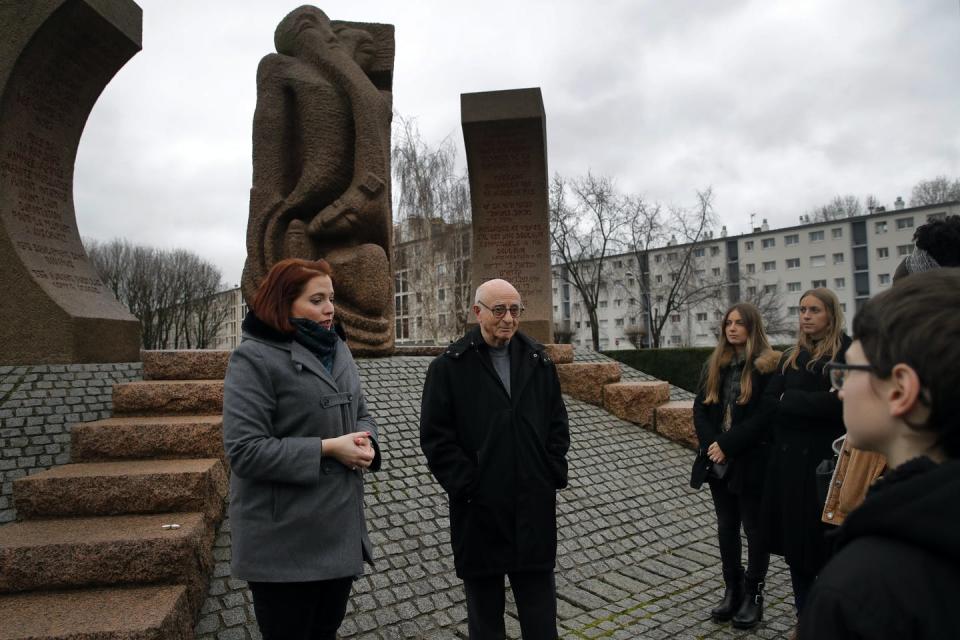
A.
pixel 295 516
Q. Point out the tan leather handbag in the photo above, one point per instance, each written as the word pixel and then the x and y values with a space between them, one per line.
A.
pixel 856 470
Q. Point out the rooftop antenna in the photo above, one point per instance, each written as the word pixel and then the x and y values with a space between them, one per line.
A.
pixel 752 217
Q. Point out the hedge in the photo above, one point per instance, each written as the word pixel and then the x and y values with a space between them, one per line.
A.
pixel 678 366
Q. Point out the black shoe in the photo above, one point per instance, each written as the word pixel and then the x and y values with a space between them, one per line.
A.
pixel 732 595
pixel 750 612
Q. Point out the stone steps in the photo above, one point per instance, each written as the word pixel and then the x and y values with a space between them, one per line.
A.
pixel 585 380
pixel 159 612
pixel 636 400
pixel 105 551
pixel 199 364
pixel 168 397
pixel 132 438
pixel 109 488
pixel 674 420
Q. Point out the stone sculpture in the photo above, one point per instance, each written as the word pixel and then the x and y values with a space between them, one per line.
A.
pixel 321 166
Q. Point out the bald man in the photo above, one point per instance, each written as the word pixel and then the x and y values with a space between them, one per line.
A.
pixel 493 428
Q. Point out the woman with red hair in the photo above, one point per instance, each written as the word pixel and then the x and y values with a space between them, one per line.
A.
pixel 298 436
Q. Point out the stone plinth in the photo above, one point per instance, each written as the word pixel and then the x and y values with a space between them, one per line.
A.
pixel 56 57
pixel 168 397
pixel 504 135
pixel 585 380
pixel 185 364
pixel 560 353
pixel 674 420
pixel 635 401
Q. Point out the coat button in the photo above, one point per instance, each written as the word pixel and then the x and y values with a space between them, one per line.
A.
pixel 536 356
pixel 830 515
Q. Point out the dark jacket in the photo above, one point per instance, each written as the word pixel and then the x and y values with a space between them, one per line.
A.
pixel 745 443
pixel 500 458
pixel 805 418
pixel 295 516
pixel 896 573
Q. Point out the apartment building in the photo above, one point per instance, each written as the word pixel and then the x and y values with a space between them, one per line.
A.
pixel 228 337
pixel 855 257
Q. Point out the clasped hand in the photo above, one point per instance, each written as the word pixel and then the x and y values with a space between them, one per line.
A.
pixel 716 454
pixel 353 450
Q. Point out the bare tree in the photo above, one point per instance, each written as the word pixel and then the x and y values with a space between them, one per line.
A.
pixel 172 293
pixel 935 191
pixel 846 206
pixel 686 285
pixel 768 300
pixel 588 219
pixel 432 238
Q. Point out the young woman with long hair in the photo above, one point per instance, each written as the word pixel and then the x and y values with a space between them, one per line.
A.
pixel 732 455
pixel 896 568
pixel 805 418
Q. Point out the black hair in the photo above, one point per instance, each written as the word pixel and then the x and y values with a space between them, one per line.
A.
pixel 917 323
pixel 941 239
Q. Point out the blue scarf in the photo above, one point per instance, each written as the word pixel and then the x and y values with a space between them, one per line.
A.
pixel 321 342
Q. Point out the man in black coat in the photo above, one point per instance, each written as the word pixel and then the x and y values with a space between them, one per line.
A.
pixel 493 428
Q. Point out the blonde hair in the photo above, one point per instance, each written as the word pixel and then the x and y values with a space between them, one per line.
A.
pixel 723 353
pixel 827 347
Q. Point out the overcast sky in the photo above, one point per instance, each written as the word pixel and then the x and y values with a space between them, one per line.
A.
pixel 777 104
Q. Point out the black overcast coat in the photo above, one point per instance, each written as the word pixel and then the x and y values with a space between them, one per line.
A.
pixel 807 419
pixel 896 574
pixel 745 443
pixel 500 458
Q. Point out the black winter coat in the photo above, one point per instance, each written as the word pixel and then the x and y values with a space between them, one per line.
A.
pixel 501 458
pixel 896 574
pixel 745 443
pixel 805 418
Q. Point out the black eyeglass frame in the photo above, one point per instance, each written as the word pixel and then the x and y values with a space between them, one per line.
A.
pixel 499 314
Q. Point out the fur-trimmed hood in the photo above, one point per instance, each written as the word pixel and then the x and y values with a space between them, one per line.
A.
pixel 765 362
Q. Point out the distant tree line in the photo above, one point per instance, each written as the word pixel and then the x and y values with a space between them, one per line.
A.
pixel 926 192
pixel 171 291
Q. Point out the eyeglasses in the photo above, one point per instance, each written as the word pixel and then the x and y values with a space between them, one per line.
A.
pixel 500 310
pixel 838 372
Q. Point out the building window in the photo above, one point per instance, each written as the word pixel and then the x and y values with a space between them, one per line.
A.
pixel 880 227
pixel 675 340
pixel 836 232
pixel 818 284
pixel 619 322
pixel 904 223
pixel 659 279
pixel 838 258
pixel 793 263
pixel 793 238
pixel 768 243
pixel 769 288
pixel 839 283
pixel 699 252
pixel 604 322
pixel 671 256
pixel 770 266
pixel 718 315
pixel 793 311
pixel 701 317
pixel 883 278
pixel 904 249
pixel 818 261
pixel 657 258
pixel 936 216
pixel 843 307
pixel 441 295
pixel 751 291
pixel 882 253
pixel 441 269
pixel 793 287
pixel 578 324
pixel 603 304
pixel 751 268
pixel 816 236
pixel 675 318
pixel 618 264
pixel 748 245
pixel 714 251
pixel 715 271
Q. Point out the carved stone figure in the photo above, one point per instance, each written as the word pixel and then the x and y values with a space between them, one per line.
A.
pixel 321 166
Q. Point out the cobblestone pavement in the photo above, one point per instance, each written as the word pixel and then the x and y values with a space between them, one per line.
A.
pixel 637 552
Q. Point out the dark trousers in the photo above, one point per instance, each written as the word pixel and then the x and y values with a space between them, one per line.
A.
pixel 802 583
pixel 300 610
pixel 732 511
pixel 535 593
